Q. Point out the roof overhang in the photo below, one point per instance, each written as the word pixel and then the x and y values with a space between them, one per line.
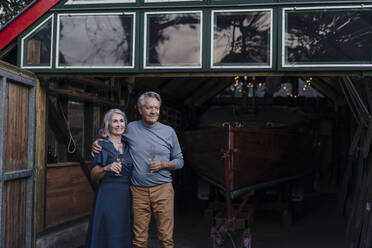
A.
pixel 24 20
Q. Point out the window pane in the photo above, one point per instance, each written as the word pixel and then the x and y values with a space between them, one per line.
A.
pixel 95 40
pixel 241 38
pixel 338 36
pixel 173 39
pixel 38 46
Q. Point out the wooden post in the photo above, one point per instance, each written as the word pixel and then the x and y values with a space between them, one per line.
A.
pixel 88 127
pixel 40 162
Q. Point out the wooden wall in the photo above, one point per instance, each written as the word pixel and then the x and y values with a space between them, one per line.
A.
pixel 16 131
pixel 14 222
pixel 68 193
pixel 16 192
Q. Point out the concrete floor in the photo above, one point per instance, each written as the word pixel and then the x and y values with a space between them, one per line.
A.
pixel 320 225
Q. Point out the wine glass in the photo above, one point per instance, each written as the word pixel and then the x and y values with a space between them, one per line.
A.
pixel 151 158
pixel 119 159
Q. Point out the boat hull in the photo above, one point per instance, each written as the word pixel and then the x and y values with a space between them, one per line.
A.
pixel 258 155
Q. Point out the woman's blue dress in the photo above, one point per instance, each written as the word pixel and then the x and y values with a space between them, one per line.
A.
pixel 110 224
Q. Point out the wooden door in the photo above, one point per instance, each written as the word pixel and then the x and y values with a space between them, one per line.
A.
pixel 17 135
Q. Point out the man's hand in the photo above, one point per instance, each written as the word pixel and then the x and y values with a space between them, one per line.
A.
pixel 157 165
pixel 96 148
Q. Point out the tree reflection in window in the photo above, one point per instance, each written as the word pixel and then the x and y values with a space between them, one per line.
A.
pixel 100 40
pixel 173 39
pixel 241 38
pixel 329 36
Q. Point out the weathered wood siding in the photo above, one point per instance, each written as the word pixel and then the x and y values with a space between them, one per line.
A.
pixel 16 127
pixel 14 222
pixel 17 137
pixel 68 193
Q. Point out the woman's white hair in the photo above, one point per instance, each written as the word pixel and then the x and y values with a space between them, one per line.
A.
pixel 141 99
pixel 104 132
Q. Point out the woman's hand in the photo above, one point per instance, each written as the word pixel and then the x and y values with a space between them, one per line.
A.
pixel 115 167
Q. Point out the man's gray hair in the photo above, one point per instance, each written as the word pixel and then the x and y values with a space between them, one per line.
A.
pixel 141 99
pixel 104 132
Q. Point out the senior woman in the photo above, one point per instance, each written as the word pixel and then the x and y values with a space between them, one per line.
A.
pixel 110 225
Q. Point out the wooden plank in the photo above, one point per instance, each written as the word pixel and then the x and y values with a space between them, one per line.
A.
pixel 367 224
pixel 68 194
pixel 16 128
pixel 88 126
pixel 40 158
pixel 348 170
pixel 234 73
pixel 14 214
pixel 83 96
pixel 16 70
pixel 355 221
pixel 90 82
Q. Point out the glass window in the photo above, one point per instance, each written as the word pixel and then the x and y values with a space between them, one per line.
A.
pixel 173 40
pixel 328 36
pixel 36 51
pixel 96 41
pixel 241 38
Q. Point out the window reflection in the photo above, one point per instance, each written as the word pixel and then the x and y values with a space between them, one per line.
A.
pixel 329 36
pixel 241 38
pixel 95 40
pixel 38 46
pixel 173 39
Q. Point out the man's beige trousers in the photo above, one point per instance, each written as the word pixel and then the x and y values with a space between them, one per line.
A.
pixel 159 199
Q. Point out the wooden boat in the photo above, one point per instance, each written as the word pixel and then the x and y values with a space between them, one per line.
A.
pixel 259 154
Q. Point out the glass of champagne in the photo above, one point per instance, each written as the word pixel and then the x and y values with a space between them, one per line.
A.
pixel 119 159
pixel 151 158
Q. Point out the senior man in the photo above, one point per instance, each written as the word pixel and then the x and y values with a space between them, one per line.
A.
pixel 155 151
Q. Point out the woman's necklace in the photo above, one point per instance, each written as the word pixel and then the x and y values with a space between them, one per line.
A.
pixel 117 144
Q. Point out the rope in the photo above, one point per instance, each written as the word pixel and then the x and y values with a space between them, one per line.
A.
pixel 71 141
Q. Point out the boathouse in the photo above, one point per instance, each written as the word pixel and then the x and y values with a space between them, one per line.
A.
pixel 298 73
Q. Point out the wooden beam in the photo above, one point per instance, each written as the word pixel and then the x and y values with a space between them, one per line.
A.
pixel 219 85
pixel 221 74
pixel 8 49
pixel 40 162
pixel 195 88
pixel 83 96
pixel 326 90
pixel 207 91
pixel 90 82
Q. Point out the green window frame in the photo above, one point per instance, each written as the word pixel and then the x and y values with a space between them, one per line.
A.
pixel 24 41
pixel 132 45
pixel 284 63
pixel 146 40
pixel 241 65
